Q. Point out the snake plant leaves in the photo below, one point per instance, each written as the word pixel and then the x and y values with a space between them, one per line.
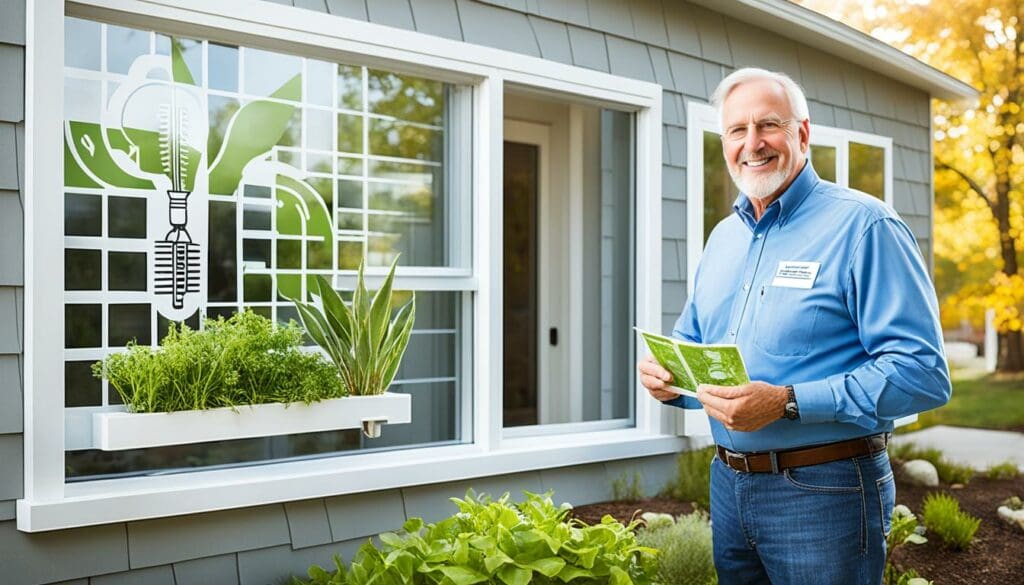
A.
pixel 366 341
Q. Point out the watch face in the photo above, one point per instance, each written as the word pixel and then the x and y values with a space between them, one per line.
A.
pixel 791 411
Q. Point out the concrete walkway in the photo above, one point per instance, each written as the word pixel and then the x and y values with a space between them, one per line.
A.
pixel 978 448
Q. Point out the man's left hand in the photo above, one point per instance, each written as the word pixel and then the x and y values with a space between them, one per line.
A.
pixel 744 408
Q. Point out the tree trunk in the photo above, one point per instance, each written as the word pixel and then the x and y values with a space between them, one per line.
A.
pixel 1011 353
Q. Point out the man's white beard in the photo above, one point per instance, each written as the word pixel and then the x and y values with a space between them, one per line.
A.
pixel 759 187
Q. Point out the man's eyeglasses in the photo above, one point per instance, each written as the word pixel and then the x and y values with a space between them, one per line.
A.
pixel 766 127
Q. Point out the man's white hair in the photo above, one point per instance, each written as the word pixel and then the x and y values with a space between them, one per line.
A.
pixel 795 95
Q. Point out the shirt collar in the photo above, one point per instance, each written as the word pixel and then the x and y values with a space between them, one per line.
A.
pixel 791 198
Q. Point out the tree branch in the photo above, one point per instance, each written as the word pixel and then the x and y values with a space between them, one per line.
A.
pixel 974 186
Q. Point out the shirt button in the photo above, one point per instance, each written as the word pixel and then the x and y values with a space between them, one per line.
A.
pixel 732 333
pixel 758 236
pixel 746 287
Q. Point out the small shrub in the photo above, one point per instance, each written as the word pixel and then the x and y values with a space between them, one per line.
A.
pixel 948 471
pixel 1005 470
pixel 693 477
pixel 905 529
pixel 686 557
pixel 492 541
pixel 942 515
pixel 628 488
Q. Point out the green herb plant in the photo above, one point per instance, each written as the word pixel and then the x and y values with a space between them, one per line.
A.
pixel 490 541
pixel 684 545
pixel 693 477
pixel 364 341
pixel 628 488
pixel 942 515
pixel 246 359
pixel 905 529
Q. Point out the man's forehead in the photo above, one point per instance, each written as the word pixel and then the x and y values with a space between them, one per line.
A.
pixel 757 99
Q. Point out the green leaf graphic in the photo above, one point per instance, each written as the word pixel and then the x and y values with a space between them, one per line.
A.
pixel 254 130
pixel 86 141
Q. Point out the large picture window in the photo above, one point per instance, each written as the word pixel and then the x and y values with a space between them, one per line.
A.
pixel 258 169
pixel 186 163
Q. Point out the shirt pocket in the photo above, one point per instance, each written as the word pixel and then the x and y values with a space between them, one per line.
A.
pixel 786 319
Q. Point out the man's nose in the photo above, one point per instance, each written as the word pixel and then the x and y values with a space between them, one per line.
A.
pixel 753 142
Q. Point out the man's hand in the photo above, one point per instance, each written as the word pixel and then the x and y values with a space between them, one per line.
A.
pixel 743 408
pixel 656 379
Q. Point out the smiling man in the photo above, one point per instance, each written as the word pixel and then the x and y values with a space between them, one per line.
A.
pixel 825 292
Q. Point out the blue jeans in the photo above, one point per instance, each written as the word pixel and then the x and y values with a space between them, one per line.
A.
pixel 807 525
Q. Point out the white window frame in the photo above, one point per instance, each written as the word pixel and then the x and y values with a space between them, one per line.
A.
pixel 49 503
pixel 700 118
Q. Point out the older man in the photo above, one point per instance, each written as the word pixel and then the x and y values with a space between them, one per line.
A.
pixel 825 292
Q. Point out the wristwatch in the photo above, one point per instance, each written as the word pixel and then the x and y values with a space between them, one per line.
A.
pixel 792 411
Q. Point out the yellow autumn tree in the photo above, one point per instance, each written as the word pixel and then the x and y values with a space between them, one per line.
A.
pixel 978 147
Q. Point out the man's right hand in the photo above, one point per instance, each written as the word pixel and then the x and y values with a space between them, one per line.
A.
pixel 656 379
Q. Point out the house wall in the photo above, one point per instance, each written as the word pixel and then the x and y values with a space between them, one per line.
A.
pixel 684 48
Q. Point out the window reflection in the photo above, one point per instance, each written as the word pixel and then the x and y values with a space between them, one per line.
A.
pixel 867 169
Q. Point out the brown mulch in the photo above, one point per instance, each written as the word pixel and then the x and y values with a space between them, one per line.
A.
pixel 995 558
pixel 626 511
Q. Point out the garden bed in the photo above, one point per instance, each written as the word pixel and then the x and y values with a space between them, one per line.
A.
pixel 995 557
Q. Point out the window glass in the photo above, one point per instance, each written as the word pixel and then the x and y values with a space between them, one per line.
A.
pixel 193 194
pixel 545 284
pixel 719 191
pixel 823 158
pixel 867 169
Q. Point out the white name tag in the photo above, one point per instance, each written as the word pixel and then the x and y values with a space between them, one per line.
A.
pixel 796 274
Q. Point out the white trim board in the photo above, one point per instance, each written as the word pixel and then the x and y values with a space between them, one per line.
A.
pixel 50 504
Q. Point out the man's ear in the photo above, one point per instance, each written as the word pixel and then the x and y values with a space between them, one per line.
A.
pixel 805 135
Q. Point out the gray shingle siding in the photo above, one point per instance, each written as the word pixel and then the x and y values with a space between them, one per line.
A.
pixel 684 48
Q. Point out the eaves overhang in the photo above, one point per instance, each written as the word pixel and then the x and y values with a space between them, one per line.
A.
pixel 821 32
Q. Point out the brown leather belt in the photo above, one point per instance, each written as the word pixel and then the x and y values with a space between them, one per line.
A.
pixel 776 461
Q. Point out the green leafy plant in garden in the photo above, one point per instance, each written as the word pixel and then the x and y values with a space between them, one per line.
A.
pixel 490 541
pixel 684 545
pixel 942 515
pixel 628 487
pixel 948 471
pixel 905 530
pixel 1004 470
pixel 364 340
pixel 246 359
pixel 693 477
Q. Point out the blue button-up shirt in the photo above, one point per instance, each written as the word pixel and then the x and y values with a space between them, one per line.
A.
pixel 862 346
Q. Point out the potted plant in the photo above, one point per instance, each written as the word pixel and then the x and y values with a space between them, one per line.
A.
pixel 247 377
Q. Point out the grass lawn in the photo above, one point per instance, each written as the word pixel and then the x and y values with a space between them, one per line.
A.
pixel 978 401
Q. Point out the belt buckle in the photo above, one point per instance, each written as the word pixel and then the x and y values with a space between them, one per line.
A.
pixel 729 455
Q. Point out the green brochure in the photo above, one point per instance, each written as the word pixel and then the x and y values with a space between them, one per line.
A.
pixel 692 363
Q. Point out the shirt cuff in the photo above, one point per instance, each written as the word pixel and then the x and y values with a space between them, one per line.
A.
pixel 815 401
pixel 686 402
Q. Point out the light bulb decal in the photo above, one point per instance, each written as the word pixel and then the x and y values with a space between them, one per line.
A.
pixel 162 117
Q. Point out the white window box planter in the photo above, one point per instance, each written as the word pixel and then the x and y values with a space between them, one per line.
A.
pixel 114 431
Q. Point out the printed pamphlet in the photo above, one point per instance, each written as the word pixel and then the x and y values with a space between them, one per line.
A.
pixel 693 363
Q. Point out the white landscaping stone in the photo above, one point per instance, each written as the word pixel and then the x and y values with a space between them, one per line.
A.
pixel 921 472
pixel 1012 516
